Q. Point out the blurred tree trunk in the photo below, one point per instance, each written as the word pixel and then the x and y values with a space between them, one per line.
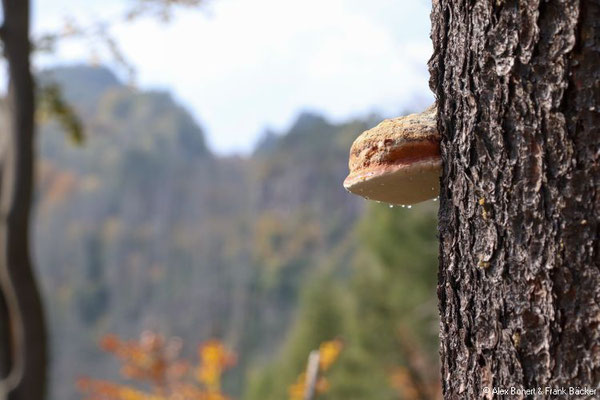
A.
pixel 518 89
pixel 28 336
pixel 5 346
pixel 5 334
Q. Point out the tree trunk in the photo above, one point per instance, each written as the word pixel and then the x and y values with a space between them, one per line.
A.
pixel 518 89
pixel 28 370
pixel 5 333
pixel 5 340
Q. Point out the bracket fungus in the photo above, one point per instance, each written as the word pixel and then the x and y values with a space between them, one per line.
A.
pixel 398 161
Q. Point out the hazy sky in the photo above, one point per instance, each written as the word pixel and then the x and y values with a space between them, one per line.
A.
pixel 241 66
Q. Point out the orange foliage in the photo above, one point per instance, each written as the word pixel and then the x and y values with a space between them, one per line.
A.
pixel 215 358
pixel 296 389
pixel 328 353
pixel 155 361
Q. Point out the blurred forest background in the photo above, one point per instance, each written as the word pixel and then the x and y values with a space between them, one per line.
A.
pixel 142 228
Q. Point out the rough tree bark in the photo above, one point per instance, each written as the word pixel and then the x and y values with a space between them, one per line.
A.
pixel 518 89
pixel 27 377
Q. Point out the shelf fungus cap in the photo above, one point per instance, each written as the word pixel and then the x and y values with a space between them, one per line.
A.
pixel 398 161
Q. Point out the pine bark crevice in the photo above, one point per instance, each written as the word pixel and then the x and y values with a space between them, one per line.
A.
pixel 518 91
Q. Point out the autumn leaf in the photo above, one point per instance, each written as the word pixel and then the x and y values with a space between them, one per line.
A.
pixel 328 353
pixel 156 360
